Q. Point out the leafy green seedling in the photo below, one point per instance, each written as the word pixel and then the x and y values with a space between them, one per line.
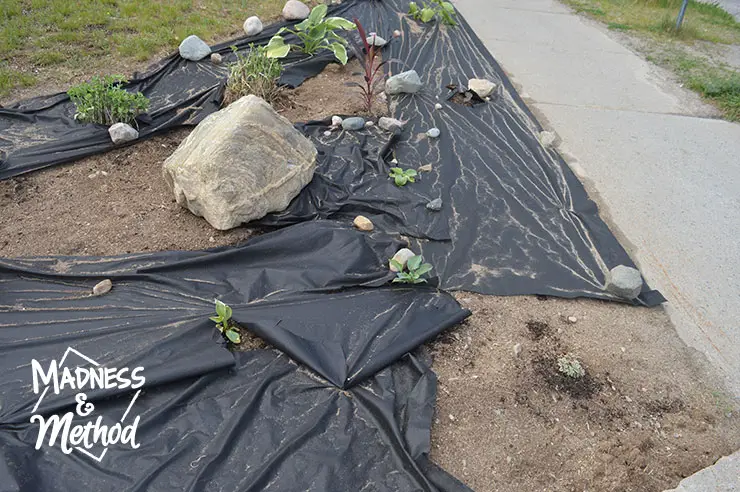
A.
pixel 444 11
pixel 104 101
pixel 225 324
pixel 316 32
pixel 401 177
pixel 571 367
pixel 414 270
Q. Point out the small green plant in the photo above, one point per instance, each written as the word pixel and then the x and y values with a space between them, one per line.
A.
pixel 401 176
pixel 225 324
pixel 368 56
pixel 316 33
pixel 571 367
pixel 104 101
pixel 414 270
pixel 443 11
pixel 254 73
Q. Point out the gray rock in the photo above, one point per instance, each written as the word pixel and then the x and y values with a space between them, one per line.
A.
pixel 240 164
pixel 122 132
pixel 193 48
pixel 369 124
pixel 435 205
pixel 403 83
pixel 397 33
pixel 375 40
pixel 295 10
pixel 547 139
pixel 438 106
pixel 336 120
pixel 353 123
pixel 216 59
pixel 390 124
pixel 402 256
pixel 482 87
pixel 102 287
pixel 624 281
pixel 253 26
pixel 327 133
pixel 433 133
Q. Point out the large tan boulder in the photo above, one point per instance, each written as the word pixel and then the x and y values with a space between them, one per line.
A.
pixel 240 164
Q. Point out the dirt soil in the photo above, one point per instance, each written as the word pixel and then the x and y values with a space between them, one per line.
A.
pixel 646 415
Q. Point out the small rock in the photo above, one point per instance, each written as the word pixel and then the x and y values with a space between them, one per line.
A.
pixel 390 124
pixel 368 124
pixel 426 168
pixel 253 26
pixel 193 48
pixel 336 120
pixel 433 133
pixel 122 132
pixel 452 417
pixel 211 239
pixel 572 320
pixel 438 106
pixel 216 59
pixel 374 40
pixel 363 223
pixel 382 97
pixel 396 33
pixel 517 350
pixel 547 139
pixel 295 10
pixel 402 256
pixel 624 281
pixel 327 133
pixel 353 123
pixel 403 83
pixel 102 287
pixel 482 87
pixel 435 205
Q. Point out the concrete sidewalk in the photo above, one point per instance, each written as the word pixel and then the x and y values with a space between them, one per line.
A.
pixel 666 180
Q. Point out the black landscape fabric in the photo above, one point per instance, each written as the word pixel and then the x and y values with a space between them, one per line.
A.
pixel 338 404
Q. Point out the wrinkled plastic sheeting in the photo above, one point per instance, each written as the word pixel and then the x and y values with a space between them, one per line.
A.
pixel 321 411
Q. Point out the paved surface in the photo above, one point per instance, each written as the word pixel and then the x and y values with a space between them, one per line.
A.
pixel 732 6
pixel 667 181
pixel 723 476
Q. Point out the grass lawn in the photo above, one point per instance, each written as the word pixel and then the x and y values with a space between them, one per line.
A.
pixel 655 20
pixel 65 40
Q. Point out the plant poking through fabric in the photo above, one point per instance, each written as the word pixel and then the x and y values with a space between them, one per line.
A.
pixel 316 32
pixel 444 11
pixel 571 367
pixel 401 176
pixel 414 270
pixel 225 324
pixel 104 101
pixel 373 75
pixel 254 73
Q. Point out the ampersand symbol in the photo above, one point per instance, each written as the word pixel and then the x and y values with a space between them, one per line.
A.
pixel 84 408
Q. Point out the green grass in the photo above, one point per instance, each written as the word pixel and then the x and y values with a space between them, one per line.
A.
pixel 65 36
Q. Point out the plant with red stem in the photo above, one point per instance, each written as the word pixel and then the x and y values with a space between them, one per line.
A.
pixel 367 54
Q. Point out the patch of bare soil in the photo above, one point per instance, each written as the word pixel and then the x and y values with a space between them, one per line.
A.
pixel 118 202
pixel 645 415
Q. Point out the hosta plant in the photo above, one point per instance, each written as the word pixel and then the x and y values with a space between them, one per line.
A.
pixel 413 271
pixel 315 33
pixel 104 101
pixel 402 176
pixel 444 11
pixel 225 324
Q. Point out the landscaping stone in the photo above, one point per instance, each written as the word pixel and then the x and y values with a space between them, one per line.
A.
pixel 354 123
pixel 426 168
pixel 397 33
pixel 239 164
pixel 363 223
pixel 102 287
pixel 624 281
pixel 402 256
pixel 547 139
pixel 482 87
pixel 327 133
pixel 253 26
pixel 438 106
pixel 295 10
pixel 216 59
pixel 122 132
pixel 369 124
pixel 435 205
pixel 336 120
pixel 193 48
pixel 390 124
pixel 375 40
pixel 433 133
pixel 403 83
